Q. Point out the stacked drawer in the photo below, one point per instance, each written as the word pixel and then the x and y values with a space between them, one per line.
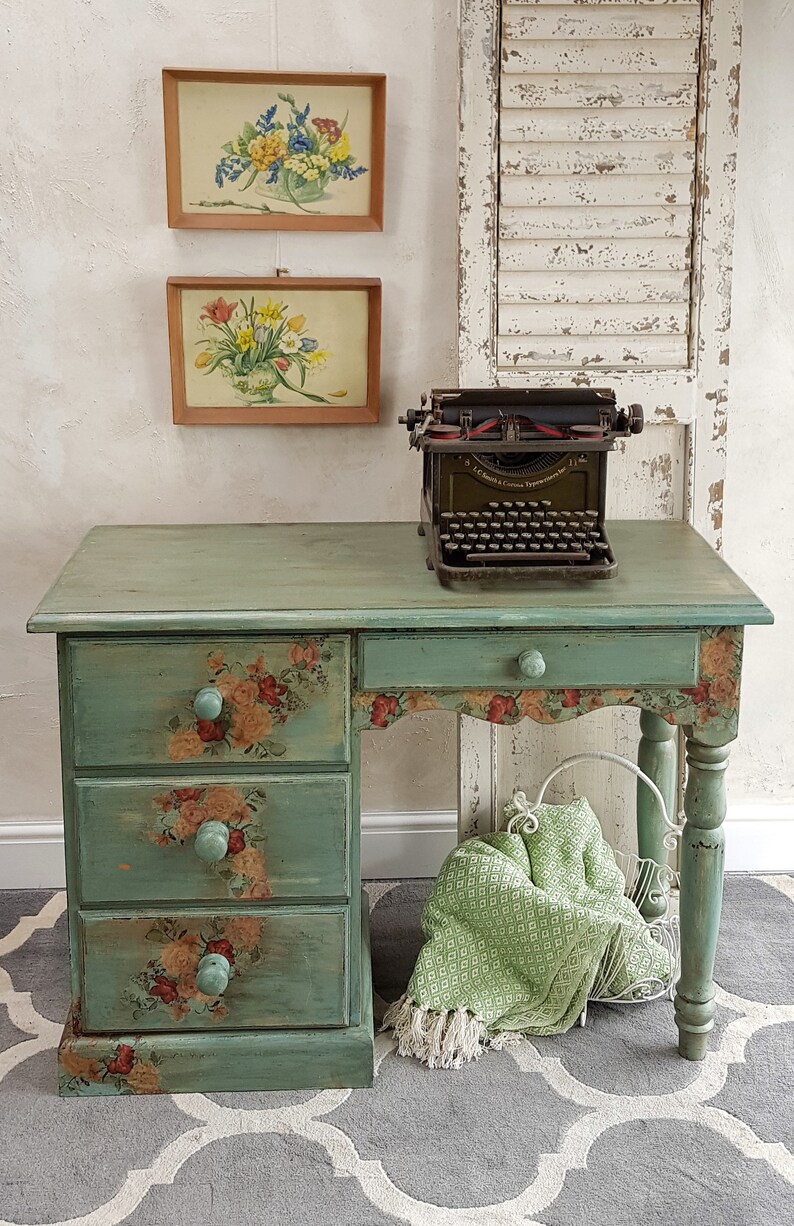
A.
pixel 210 865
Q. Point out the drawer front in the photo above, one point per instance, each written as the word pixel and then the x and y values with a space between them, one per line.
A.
pixel 283 700
pixel 286 968
pixel 551 659
pixel 286 836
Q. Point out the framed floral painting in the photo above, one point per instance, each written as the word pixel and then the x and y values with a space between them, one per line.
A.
pixel 274 150
pixel 279 350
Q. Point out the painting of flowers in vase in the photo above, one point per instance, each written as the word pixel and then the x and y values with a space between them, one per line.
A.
pixel 279 151
pixel 281 350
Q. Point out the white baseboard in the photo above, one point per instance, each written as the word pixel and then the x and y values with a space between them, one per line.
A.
pixel 759 839
pixel 406 844
pixel 392 845
pixel 31 855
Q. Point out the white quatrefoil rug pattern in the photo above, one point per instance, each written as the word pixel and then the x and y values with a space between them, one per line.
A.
pixel 601 1125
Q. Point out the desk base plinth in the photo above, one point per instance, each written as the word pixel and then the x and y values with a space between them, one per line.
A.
pixel 240 1061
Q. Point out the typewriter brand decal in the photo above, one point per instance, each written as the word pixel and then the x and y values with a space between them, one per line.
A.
pixel 259 697
pixel 527 482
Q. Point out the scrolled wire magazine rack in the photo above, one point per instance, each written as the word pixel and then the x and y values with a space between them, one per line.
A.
pixel 646 881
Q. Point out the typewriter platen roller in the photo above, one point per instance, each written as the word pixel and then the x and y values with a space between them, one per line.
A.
pixel 514 481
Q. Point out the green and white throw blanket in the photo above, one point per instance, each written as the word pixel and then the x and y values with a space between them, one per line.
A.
pixel 517 927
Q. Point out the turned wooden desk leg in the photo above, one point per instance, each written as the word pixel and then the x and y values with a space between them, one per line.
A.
pixel 702 865
pixel 658 757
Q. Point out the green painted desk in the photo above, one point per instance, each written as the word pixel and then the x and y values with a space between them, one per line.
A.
pixel 213 684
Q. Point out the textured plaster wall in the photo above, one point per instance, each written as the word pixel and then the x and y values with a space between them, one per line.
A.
pixel 85 431
pixel 759 502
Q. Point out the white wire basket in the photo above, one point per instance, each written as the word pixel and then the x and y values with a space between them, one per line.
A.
pixel 646 882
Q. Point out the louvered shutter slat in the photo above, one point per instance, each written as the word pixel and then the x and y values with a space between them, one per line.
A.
pixel 632 286
pixel 597 162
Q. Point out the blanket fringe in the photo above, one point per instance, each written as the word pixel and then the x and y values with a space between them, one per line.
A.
pixel 445 1038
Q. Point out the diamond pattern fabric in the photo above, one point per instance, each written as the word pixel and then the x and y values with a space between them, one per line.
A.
pixel 517 926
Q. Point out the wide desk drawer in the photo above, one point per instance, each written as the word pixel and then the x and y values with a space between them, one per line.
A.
pixel 285 967
pixel 253 838
pixel 281 700
pixel 545 659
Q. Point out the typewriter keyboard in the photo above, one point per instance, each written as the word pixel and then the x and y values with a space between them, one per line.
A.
pixel 521 533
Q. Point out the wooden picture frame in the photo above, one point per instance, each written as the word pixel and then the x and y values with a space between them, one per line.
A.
pixel 307 158
pixel 274 350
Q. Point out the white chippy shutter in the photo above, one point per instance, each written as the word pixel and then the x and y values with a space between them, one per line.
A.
pixel 597 144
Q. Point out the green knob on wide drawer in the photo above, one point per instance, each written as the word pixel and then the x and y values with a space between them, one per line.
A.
pixel 212 841
pixel 212 974
pixel 531 665
pixel 208 703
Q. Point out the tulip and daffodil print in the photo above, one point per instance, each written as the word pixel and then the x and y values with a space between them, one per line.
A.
pixel 259 347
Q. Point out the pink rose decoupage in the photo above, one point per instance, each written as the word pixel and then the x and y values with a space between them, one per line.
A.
pixel 181 813
pixel 258 700
pixel 714 699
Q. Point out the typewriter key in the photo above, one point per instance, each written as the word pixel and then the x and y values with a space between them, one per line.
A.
pixel 498 536
pixel 494 506
pixel 545 502
pixel 521 505
pixel 512 514
pixel 534 546
pixel 447 514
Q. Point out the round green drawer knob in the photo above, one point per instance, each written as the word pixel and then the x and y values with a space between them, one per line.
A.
pixel 212 974
pixel 208 703
pixel 212 841
pixel 531 665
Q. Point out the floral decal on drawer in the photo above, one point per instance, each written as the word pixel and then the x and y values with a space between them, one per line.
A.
pixel 124 1069
pixel 168 982
pixel 183 810
pixel 714 700
pixel 257 701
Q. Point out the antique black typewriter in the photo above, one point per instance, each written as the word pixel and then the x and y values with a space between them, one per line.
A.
pixel 514 481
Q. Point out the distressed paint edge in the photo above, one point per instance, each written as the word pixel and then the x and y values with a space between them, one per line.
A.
pixel 718 122
pixel 479 24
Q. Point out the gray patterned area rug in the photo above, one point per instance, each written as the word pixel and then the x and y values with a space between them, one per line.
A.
pixel 601 1125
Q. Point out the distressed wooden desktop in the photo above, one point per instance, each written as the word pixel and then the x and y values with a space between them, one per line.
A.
pixel 311 633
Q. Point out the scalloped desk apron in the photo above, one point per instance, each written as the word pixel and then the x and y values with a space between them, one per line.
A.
pixel 516 928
